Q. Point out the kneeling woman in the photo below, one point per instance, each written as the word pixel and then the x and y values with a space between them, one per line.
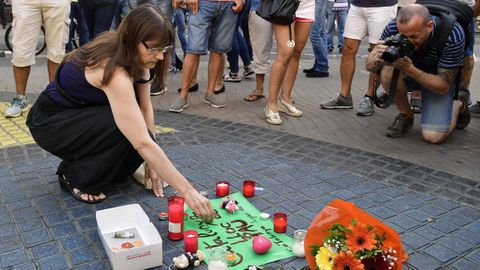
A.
pixel 98 118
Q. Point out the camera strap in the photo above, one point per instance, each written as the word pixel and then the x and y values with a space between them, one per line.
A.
pixel 387 99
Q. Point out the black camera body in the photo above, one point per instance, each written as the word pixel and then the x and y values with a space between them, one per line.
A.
pixel 399 46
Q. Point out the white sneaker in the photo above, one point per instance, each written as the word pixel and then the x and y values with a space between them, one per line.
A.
pixel 19 105
pixel 287 108
pixel 272 117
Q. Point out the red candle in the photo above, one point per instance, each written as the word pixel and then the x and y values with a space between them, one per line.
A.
pixel 280 222
pixel 248 188
pixel 190 239
pixel 222 188
pixel 175 217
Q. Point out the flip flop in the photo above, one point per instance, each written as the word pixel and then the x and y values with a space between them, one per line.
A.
pixel 67 186
pixel 253 97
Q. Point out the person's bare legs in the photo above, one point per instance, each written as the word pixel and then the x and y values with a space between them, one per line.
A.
pixel 52 70
pixel 302 30
pixel 279 66
pixel 161 71
pixel 219 80
pixel 21 77
pixel 190 67
pixel 215 69
pixel 348 64
pixel 371 77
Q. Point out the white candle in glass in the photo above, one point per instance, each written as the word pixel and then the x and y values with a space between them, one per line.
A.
pixel 217 265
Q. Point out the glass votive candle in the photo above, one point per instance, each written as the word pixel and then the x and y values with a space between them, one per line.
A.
pixel 217 259
pixel 190 240
pixel 248 188
pixel 222 188
pixel 280 222
pixel 175 217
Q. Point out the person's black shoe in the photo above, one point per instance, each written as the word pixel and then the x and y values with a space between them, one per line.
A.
pixel 317 74
pixel 463 118
pixel 158 90
pixel 308 70
pixel 400 126
pixel 192 88
pixel 219 91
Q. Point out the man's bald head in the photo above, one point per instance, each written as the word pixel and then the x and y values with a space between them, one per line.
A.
pixel 414 10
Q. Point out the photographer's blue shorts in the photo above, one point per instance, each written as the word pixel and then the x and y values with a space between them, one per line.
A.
pixel 211 29
pixel 436 109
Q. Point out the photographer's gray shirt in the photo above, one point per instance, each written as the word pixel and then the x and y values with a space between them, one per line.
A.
pixel 374 3
pixel 453 52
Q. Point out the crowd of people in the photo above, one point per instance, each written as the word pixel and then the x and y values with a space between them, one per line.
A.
pixel 126 54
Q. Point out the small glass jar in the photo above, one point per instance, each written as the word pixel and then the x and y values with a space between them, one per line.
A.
pixel 297 246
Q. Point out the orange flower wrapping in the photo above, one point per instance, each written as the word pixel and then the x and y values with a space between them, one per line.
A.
pixel 342 212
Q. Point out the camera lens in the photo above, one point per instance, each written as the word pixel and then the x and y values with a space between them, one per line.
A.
pixel 391 54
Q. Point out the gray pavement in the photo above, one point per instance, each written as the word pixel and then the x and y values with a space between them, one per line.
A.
pixel 429 194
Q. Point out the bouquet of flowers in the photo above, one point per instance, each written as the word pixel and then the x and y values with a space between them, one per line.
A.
pixel 344 237
pixel 356 247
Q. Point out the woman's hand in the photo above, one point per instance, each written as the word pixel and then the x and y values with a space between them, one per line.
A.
pixel 199 204
pixel 157 183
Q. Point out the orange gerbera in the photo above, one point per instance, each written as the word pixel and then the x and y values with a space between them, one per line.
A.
pixel 360 238
pixel 346 261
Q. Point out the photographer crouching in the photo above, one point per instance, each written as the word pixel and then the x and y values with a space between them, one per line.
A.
pixel 407 47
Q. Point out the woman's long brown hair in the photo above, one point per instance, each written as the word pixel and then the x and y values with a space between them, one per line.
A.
pixel 144 23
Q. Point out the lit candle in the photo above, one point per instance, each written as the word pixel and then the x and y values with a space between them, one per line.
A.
pixel 222 188
pixel 280 222
pixel 248 188
pixel 190 239
pixel 217 259
pixel 175 217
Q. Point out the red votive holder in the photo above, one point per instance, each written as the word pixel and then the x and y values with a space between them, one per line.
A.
pixel 190 239
pixel 175 217
pixel 248 188
pixel 280 222
pixel 222 188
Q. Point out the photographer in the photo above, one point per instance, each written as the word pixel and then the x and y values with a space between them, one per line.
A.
pixel 421 66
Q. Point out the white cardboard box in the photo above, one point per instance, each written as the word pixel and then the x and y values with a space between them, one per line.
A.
pixel 130 217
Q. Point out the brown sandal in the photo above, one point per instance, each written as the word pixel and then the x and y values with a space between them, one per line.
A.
pixel 254 96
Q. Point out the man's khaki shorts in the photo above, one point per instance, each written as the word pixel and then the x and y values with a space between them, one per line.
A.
pixel 28 17
pixel 368 21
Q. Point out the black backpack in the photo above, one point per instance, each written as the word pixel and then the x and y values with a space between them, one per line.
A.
pixel 449 12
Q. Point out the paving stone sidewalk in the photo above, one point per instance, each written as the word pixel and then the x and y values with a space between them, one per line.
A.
pixel 42 227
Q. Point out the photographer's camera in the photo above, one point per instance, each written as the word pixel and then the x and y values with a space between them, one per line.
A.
pixel 399 46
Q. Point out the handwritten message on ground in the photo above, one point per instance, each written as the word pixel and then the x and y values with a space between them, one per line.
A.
pixel 235 231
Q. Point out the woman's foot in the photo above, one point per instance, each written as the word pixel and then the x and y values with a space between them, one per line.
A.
pixel 288 108
pixel 78 194
pixel 254 96
pixel 272 117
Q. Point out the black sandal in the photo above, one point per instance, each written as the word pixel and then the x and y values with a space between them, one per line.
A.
pixel 67 186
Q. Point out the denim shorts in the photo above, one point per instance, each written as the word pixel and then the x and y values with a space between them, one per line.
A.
pixel 211 29
pixel 436 109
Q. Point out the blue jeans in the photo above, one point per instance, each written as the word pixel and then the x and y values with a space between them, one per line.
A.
pixel 121 10
pixel 98 15
pixel 319 38
pixel 211 29
pixel 436 109
pixel 332 15
pixel 239 44
pixel 80 27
